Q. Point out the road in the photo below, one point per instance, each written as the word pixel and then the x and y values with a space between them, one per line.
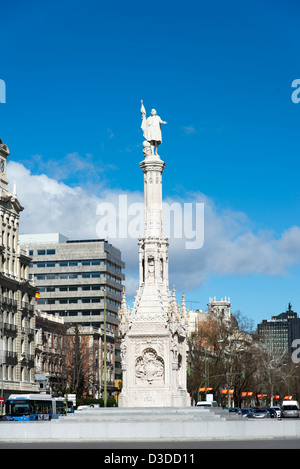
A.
pixel 157 446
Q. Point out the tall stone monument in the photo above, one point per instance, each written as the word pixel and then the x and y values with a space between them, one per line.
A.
pixel 154 332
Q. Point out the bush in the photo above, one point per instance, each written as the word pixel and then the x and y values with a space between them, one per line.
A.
pixel 111 402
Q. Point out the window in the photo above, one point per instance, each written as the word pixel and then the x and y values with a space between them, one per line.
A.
pixel 91 262
pixel 68 263
pixel 41 252
pixel 45 264
pixel 50 251
pixel 50 276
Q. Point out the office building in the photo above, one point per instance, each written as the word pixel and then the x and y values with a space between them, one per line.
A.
pixel 71 276
pixel 280 331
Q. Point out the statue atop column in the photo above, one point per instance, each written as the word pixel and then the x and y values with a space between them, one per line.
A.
pixel 154 332
pixel 151 129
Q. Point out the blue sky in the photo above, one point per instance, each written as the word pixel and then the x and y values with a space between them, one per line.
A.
pixel 219 73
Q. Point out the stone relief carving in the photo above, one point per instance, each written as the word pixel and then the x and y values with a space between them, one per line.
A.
pixel 149 368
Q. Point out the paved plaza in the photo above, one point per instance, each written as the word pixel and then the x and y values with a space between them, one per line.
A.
pixel 180 425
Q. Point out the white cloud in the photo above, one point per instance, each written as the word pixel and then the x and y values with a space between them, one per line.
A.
pixel 51 206
pixel 231 244
pixel 189 129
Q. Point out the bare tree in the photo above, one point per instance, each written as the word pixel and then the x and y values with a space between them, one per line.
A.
pixel 221 357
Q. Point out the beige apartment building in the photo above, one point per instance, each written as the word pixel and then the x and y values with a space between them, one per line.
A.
pixel 17 296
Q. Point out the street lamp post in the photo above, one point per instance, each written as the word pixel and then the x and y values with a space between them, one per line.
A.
pixel 104 351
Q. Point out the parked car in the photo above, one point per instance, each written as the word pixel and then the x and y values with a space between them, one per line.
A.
pixel 259 414
pixel 290 409
pixel 236 410
pixel 246 412
pixel 207 404
pixel 277 409
pixel 83 407
pixel 272 412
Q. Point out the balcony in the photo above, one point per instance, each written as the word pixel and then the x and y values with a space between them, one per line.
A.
pixel 9 302
pixel 27 307
pixel 11 357
pixel 10 327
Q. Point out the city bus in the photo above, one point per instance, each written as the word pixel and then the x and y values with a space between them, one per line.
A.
pixel 61 408
pixel 27 407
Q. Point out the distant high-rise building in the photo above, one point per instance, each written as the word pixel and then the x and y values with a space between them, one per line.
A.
pixel 280 331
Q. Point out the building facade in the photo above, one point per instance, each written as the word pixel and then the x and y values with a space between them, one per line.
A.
pixel 50 339
pixel 71 277
pixel 220 309
pixel 280 331
pixel 92 347
pixel 17 296
pixel 217 309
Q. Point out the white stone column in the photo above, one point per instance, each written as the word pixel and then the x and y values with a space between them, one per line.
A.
pixel 152 168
